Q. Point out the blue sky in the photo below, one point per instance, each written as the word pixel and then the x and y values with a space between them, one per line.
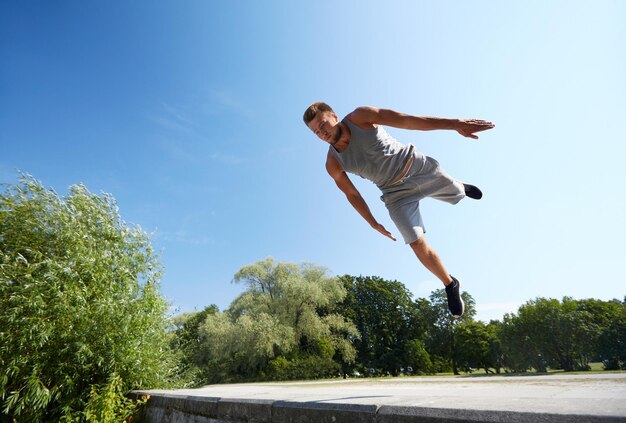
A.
pixel 189 113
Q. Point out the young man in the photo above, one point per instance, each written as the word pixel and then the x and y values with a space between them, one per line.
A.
pixel 359 145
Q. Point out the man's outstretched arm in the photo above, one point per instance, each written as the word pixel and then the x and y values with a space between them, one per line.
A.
pixel 353 195
pixel 369 116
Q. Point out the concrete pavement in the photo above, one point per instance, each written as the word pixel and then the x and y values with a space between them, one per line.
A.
pixel 547 398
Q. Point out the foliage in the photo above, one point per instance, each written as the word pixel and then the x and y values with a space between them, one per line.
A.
pixel 417 358
pixel 79 304
pixel 388 320
pixel 300 368
pixel 243 346
pixel 475 345
pixel 516 355
pixel 293 322
pixel 612 339
pixel 108 403
pixel 286 313
pixel 563 334
pixel 441 335
pixel 187 342
pixel 494 358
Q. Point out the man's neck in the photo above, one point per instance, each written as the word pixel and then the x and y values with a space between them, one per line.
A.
pixel 344 139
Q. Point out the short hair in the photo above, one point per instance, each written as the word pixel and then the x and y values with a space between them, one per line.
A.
pixel 314 109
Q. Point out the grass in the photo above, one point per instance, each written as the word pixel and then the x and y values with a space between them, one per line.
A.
pixel 595 368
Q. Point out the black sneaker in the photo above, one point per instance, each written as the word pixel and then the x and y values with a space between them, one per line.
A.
pixel 473 191
pixel 455 302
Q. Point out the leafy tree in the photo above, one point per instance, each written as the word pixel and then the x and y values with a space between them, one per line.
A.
pixel 416 357
pixel 495 354
pixel 388 321
pixel 560 334
pixel 441 339
pixel 530 337
pixel 80 311
pixel 241 348
pixel 187 342
pixel 612 339
pixel 476 346
pixel 579 329
pixel 518 354
pixel 287 311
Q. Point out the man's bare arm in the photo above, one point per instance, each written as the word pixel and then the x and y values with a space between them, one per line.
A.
pixel 334 169
pixel 368 116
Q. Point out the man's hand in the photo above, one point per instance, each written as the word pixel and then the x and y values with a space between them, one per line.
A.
pixel 380 228
pixel 467 127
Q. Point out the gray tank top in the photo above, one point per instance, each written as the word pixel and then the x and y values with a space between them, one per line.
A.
pixel 373 154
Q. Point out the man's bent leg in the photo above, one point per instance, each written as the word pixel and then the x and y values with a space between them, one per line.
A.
pixel 430 259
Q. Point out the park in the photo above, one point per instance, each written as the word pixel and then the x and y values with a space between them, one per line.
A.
pixel 72 268
pixel 190 233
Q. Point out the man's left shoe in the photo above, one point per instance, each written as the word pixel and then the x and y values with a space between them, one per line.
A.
pixel 473 191
pixel 455 302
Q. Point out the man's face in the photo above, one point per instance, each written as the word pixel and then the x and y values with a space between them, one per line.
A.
pixel 326 126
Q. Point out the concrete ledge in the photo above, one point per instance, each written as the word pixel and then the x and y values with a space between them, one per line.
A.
pixel 186 409
pixel 542 399
pixel 245 410
pixel 389 414
pixel 310 412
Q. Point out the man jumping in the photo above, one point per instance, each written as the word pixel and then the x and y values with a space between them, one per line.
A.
pixel 359 145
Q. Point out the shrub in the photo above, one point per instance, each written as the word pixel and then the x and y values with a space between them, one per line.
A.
pixel 305 367
pixel 80 309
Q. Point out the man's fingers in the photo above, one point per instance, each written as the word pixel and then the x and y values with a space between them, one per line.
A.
pixel 391 236
pixel 382 230
pixel 468 134
pixel 481 122
pixel 476 125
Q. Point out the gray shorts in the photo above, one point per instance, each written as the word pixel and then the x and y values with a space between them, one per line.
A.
pixel 425 178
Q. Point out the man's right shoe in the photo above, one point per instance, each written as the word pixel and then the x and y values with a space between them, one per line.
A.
pixel 473 191
pixel 455 302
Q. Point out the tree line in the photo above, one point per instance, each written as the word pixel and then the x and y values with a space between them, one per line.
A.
pixel 82 320
pixel 297 322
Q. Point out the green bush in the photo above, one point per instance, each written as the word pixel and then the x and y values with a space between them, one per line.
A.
pixel 306 367
pixel 107 403
pixel 81 317
pixel 417 357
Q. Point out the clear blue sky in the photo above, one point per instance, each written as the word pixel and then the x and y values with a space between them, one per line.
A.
pixel 189 113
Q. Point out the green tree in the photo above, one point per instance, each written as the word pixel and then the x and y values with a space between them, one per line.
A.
pixel 241 348
pixel 560 334
pixel 187 342
pixel 388 321
pixel 532 336
pixel 580 330
pixel 495 354
pixel 416 357
pixel 80 311
pixel 476 346
pixel 441 337
pixel 612 339
pixel 287 311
